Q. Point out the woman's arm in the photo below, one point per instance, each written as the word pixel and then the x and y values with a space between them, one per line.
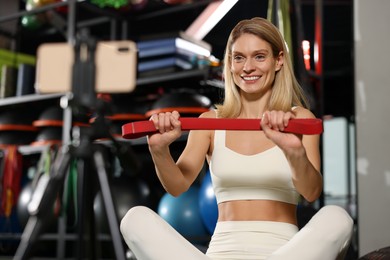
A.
pixel 302 152
pixel 177 177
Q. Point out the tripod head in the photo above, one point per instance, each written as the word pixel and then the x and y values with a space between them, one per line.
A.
pixel 84 100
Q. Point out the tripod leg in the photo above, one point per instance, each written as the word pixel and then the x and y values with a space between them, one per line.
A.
pixel 86 221
pixel 108 205
pixel 42 205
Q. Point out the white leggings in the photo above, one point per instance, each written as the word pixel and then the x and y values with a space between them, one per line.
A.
pixel 325 237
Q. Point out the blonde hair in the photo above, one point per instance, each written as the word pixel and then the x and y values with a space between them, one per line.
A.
pixel 286 91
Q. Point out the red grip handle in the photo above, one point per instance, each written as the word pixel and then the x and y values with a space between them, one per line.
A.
pixel 306 126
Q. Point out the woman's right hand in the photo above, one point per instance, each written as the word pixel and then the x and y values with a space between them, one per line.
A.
pixel 168 128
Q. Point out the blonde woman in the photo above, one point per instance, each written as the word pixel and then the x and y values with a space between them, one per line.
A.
pixel 257 176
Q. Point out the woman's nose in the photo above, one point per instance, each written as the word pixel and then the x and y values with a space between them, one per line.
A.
pixel 248 66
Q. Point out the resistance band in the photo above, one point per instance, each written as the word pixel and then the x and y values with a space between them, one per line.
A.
pixel 306 126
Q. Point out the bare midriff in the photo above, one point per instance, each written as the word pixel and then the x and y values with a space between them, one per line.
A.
pixel 257 210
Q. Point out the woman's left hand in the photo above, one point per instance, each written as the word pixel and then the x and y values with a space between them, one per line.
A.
pixel 273 124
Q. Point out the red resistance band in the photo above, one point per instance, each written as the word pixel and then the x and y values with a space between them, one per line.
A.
pixel 305 126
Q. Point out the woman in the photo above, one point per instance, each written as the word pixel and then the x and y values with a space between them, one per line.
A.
pixel 258 176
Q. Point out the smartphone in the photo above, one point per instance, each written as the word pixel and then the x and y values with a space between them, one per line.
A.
pixel 115 61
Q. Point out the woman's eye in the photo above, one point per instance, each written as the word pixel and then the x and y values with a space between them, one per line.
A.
pixel 260 57
pixel 238 58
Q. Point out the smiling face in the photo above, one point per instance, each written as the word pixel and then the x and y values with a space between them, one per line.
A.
pixel 253 65
pixel 257 69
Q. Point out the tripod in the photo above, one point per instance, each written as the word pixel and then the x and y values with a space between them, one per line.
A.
pixel 82 147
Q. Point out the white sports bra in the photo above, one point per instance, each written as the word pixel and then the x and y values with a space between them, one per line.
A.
pixel 262 176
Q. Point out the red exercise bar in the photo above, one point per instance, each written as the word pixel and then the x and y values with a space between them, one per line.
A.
pixel 306 126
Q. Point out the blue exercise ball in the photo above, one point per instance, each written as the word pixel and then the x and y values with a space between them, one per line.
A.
pixel 207 203
pixel 182 213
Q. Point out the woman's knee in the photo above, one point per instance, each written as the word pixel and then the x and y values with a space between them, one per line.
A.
pixel 338 216
pixel 338 223
pixel 134 218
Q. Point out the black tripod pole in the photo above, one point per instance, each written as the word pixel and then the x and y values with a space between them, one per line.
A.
pixel 116 237
pixel 94 154
pixel 85 98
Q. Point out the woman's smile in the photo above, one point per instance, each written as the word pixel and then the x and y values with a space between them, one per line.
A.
pixel 250 79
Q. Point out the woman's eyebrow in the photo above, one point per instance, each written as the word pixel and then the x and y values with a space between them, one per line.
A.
pixel 255 51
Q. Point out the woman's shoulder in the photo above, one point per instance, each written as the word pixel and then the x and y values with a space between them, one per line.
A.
pixel 301 112
pixel 209 114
